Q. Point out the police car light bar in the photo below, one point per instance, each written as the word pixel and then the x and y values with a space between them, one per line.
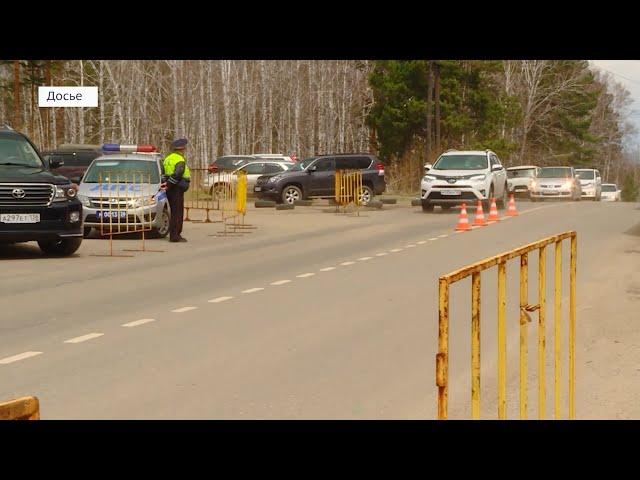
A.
pixel 116 147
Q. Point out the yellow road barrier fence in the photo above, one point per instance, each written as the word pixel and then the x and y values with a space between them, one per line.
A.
pixel 23 408
pixel 126 203
pixel 525 311
pixel 206 193
pixel 232 191
pixel 348 189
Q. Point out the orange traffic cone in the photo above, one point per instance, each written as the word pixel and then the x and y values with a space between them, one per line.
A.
pixel 480 221
pixel 493 212
pixel 512 207
pixel 463 222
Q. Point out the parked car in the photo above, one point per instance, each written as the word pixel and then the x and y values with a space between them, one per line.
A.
pixel 519 179
pixel 75 159
pixel 278 156
pixel 254 169
pixel 556 182
pixel 314 177
pixel 611 193
pixel 591 183
pixel 228 163
pixel 464 176
pixel 125 189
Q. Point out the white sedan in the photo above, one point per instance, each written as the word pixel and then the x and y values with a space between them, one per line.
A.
pixel 611 193
pixel 253 169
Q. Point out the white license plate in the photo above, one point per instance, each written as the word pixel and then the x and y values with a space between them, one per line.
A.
pixel 257 189
pixel 20 218
pixel 450 192
pixel 111 214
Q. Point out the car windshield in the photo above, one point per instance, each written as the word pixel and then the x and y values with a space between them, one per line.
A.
pixel 302 164
pixel 521 172
pixel 17 151
pixel 609 188
pixel 122 171
pixel 461 162
pixel 585 174
pixel 554 172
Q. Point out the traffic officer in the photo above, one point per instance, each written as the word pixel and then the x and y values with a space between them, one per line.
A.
pixel 177 182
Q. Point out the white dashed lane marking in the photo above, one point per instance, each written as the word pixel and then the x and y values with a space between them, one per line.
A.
pixel 280 282
pixel 84 338
pixel 409 246
pixel 365 258
pixel 139 322
pixel 443 236
pixel 20 356
pixel 183 309
pixel 252 290
pixel 422 242
pixel 381 254
pixel 327 269
pixel 396 250
pixel 347 263
pixel 220 299
pixel 433 238
pixel 305 275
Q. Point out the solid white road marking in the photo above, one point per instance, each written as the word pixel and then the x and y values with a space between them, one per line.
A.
pixel 305 275
pixel 20 356
pixel 365 258
pixel 84 338
pixel 138 322
pixel 183 309
pixel 280 282
pixel 347 263
pixel 251 290
pixel 327 269
pixel 220 299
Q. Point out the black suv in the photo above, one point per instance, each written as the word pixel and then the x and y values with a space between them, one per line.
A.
pixel 35 204
pixel 75 159
pixel 315 177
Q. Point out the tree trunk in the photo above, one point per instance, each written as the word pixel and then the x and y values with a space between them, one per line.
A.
pixel 16 95
pixel 437 105
pixel 429 93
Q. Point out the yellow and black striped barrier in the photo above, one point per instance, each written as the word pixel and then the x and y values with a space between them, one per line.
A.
pixel 525 311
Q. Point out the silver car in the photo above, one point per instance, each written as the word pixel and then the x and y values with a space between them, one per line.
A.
pixel 556 182
pixel 124 190
pixel 253 169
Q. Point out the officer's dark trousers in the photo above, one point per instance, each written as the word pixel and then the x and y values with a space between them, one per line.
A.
pixel 176 202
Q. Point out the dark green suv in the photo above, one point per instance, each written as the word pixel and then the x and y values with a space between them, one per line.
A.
pixel 35 204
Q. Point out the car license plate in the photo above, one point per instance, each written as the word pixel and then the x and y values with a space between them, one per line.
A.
pixel 452 193
pixel 257 189
pixel 107 214
pixel 20 218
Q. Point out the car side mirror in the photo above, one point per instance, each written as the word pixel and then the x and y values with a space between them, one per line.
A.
pixel 312 169
pixel 495 168
pixel 55 161
pixel 427 167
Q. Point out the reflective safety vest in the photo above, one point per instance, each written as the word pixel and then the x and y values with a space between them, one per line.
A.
pixel 170 163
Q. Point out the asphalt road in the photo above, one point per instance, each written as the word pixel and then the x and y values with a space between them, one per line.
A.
pixel 312 315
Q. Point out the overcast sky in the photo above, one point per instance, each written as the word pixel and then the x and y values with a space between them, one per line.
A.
pixel 626 72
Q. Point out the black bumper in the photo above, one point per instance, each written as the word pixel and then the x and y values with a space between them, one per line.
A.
pixel 55 223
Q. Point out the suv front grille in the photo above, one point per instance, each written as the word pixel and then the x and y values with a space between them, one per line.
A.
pixel 26 195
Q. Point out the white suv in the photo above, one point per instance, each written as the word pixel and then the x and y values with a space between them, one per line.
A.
pixel 591 182
pixel 467 176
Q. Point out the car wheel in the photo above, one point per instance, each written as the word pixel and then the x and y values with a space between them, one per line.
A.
pixel 62 247
pixel 426 207
pixel 219 191
pixel 86 231
pixel 445 208
pixel 366 195
pixel 486 204
pixel 504 200
pixel 290 194
pixel 163 230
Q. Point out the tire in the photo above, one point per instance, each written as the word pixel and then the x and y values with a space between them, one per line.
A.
pixel 62 247
pixel 446 208
pixel 162 231
pixel 366 195
pixel 285 206
pixel 218 191
pixel 86 231
pixel 486 205
pixel 427 207
pixel 504 201
pixel 290 194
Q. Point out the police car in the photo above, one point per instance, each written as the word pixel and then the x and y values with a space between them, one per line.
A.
pixel 122 190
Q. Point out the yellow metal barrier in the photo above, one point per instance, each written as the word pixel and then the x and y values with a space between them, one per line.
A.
pixel 442 358
pixel 232 191
pixel 206 193
pixel 23 408
pixel 348 189
pixel 125 206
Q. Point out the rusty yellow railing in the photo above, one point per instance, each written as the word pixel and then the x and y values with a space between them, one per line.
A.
pixel 348 189
pixel 23 408
pixel 474 271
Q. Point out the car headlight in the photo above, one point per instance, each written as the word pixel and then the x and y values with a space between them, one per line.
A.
pixel 478 178
pixel 64 193
pixel 275 178
pixel 142 201
pixel 84 200
pixel 569 184
pixel 534 183
pixel 428 178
